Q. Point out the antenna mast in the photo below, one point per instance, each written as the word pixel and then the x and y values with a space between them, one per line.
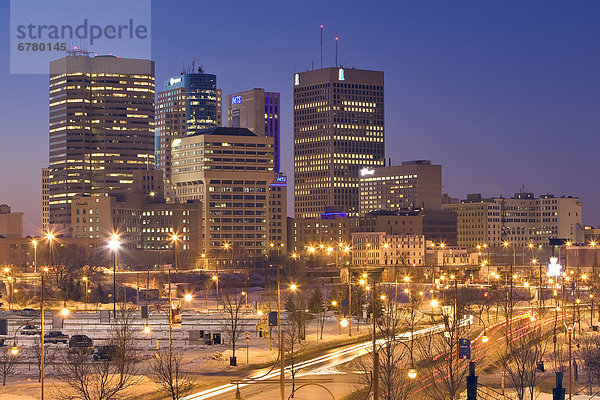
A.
pixel 321 46
pixel 336 51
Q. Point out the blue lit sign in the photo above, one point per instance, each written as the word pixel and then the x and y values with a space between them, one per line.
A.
pixel 236 100
pixel 341 74
pixel 281 179
pixel 296 79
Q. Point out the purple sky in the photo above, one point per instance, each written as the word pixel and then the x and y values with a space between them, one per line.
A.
pixel 502 94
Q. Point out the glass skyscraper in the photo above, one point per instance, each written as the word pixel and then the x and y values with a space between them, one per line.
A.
pixel 189 103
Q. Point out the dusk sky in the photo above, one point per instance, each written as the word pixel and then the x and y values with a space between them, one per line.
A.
pixel 501 93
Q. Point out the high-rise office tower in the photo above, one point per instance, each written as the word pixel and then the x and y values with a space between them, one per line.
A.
pixel 338 130
pixel 258 111
pixel 412 185
pixel 45 199
pixel 189 103
pixel 101 127
pixel 230 170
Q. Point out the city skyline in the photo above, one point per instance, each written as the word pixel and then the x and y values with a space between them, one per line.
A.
pixel 441 82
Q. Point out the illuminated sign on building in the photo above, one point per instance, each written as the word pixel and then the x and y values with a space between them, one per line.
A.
pixel 173 81
pixel 296 79
pixel 236 100
pixel 341 74
pixel 554 268
pixel 366 171
pixel 281 179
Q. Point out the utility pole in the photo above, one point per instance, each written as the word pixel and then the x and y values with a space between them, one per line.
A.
pixel 280 334
pixel 375 353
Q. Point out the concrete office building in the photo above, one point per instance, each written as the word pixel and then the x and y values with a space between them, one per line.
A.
pixel 11 223
pixel 374 249
pixel 188 104
pixel 258 111
pixel 519 220
pixel 101 127
pixel 412 185
pixel 338 130
pixel 45 199
pixel 333 228
pixel 230 170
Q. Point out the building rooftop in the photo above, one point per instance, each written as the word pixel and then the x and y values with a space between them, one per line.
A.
pixel 225 131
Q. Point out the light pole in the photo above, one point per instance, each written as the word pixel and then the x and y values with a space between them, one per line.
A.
pixel 85 279
pixel 280 334
pixel 114 244
pixel 215 279
pixel 35 243
pixel 174 240
pixel 42 355
pixel 375 353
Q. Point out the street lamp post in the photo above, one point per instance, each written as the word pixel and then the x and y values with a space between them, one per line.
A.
pixel 85 279
pixel 375 353
pixel 35 243
pixel 42 355
pixel 114 244
pixel 280 334
pixel 174 240
pixel 215 279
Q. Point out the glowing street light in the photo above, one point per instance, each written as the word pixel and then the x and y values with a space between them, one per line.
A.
pixel 344 323
pixel 188 297
pixel 434 303
pixel 293 287
pixel 146 329
pixel 64 312
pixel 412 373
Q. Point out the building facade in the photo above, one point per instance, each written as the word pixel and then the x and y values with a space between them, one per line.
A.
pixel 11 223
pixel 338 130
pixel 519 220
pixel 258 111
pixel 230 170
pixel 412 185
pixel 188 103
pixel 376 249
pixel 45 199
pixel 101 127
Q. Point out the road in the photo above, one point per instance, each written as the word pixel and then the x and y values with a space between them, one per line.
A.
pixel 265 385
pixel 322 364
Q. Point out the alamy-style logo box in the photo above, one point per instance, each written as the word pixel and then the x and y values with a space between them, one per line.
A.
pixel 42 31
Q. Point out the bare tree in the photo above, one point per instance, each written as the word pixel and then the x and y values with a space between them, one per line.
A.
pixel 167 372
pixel 589 353
pixel 446 372
pixel 521 362
pixel 105 379
pixel 233 324
pixel 396 355
pixel 318 308
pixel 35 352
pixel 8 363
pixel 296 306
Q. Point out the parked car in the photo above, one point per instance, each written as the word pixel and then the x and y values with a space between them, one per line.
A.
pixel 105 352
pixel 30 330
pixel 82 344
pixel 29 312
pixel 56 337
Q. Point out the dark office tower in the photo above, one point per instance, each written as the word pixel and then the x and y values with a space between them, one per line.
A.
pixel 101 127
pixel 258 111
pixel 338 130
pixel 189 103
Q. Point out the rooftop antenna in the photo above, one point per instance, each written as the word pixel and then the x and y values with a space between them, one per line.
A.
pixel 336 51
pixel 193 65
pixel 321 46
